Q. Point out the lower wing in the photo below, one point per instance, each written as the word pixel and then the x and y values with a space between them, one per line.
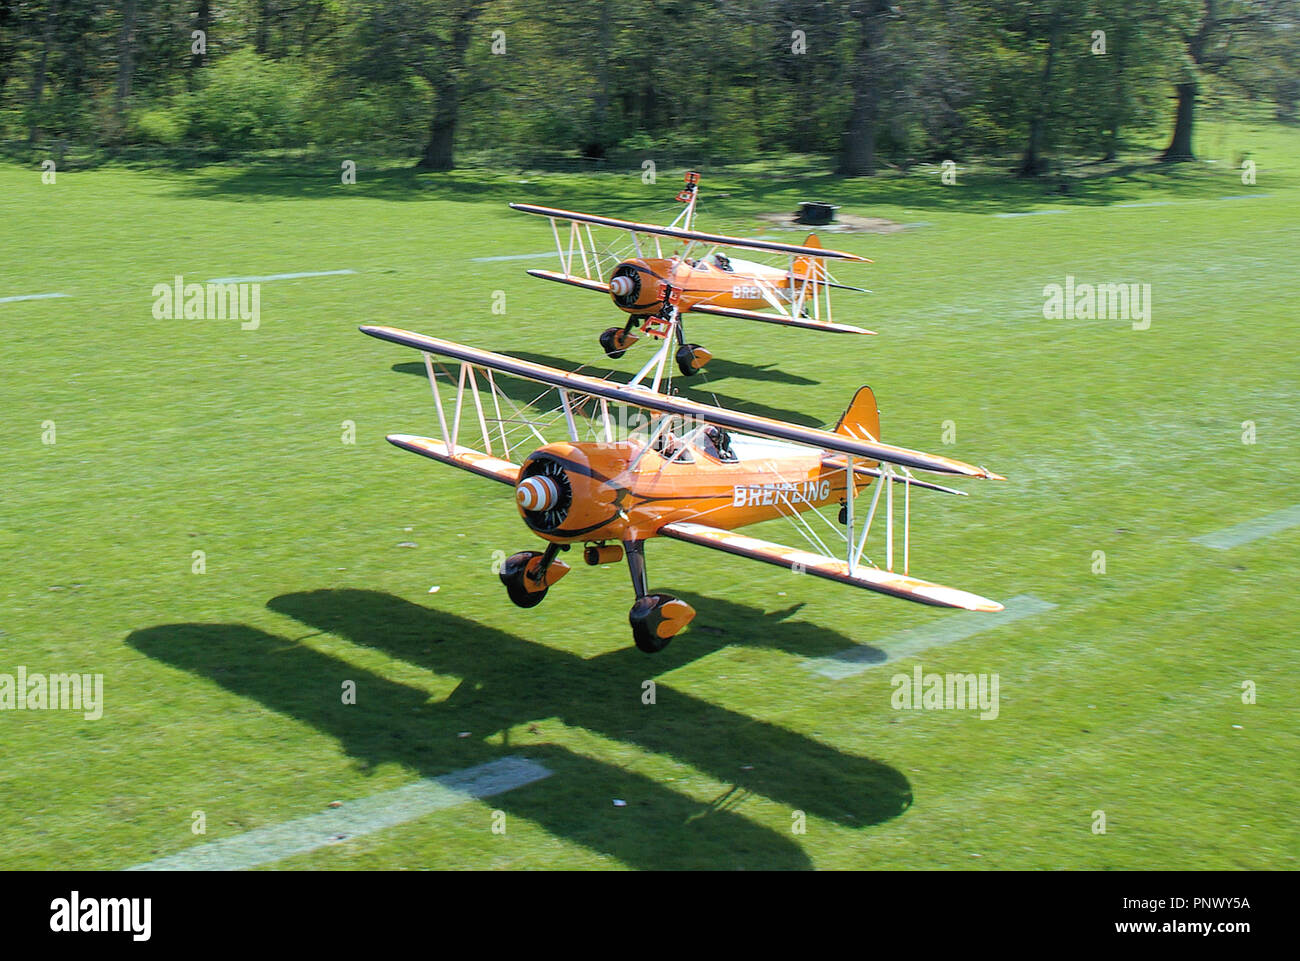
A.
pixel 804 322
pixel 476 462
pixel 866 576
pixel 571 279
pixel 734 312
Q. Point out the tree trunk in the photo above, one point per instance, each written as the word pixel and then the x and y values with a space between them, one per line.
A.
pixel 858 147
pixel 38 82
pixel 439 151
pixel 262 37
pixel 858 144
pixel 1180 146
pixel 125 58
pixel 203 21
pixel 6 48
pixel 606 42
pixel 1032 163
pixel 1120 108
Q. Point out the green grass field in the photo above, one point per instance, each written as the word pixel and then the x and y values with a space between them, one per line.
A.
pixel 222 689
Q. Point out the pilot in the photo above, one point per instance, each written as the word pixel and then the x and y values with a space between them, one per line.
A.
pixel 722 262
pixel 667 444
pixel 720 440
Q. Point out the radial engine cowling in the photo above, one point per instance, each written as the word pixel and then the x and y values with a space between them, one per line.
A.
pixel 563 492
pixel 634 286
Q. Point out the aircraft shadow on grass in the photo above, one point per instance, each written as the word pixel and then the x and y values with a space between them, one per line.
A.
pixel 507 681
pixel 698 388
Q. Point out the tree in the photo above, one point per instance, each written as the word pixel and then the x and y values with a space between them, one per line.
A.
pixel 1032 161
pixel 203 24
pixel 125 58
pixel 42 68
pixel 1212 33
pixel 431 40
pixel 858 146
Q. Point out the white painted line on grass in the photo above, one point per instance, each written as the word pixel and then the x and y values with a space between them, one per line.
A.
pixel 545 253
pixel 10 300
pixel 354 819
pixel 258 280
pixel 1032 213
pixel 903 644
pixel 1248 531
pixel 1154 203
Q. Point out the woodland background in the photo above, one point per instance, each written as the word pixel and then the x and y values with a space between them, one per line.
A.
pixel 863 83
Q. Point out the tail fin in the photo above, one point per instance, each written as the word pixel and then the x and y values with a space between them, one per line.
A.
pixel 808 268
pixel 861 419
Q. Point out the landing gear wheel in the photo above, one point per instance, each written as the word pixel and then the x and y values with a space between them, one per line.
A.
pixel 616 340
pixel 513 572
pixel 691 358
pixel 609 341
pixel 656 618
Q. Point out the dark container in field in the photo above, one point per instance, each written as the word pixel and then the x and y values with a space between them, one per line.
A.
pixel 816 214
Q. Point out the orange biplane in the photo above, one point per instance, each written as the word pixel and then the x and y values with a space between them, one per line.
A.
pixel 676 468
pixel 657 289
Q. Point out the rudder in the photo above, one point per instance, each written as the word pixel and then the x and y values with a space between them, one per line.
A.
pixel 861 416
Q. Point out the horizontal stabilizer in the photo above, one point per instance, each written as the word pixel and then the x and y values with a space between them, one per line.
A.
pixel 476 462
pixel 865 576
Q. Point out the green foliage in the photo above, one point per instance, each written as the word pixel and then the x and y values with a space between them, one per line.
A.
pixel 164 126
pixel 599 78
pixel 250 102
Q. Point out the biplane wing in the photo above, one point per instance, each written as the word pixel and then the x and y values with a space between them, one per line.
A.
pixel 466 458
pixel 681 406
pixel 694 236
pixel 872 578
pixel 783 319
pixel 572 280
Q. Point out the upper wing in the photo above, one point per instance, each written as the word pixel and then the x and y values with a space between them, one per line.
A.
pixel 693 235
pixel 681 406
pixel 871 578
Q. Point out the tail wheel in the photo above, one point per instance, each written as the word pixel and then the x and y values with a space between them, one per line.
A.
pixel 656 619
pixel 691 358
pixel 514 575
